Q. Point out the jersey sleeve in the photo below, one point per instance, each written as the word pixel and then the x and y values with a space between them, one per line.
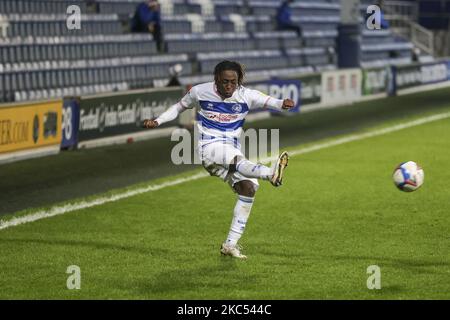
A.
pixel 257 100
pixel 190 99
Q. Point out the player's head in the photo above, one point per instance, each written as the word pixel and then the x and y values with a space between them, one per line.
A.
pixel 228 75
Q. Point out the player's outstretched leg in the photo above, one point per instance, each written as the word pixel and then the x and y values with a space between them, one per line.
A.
pixel 259 171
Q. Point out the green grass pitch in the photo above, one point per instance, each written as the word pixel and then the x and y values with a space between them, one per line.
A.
pixel 337 213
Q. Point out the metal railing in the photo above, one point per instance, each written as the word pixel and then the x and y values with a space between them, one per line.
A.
pixel 418 35
pixel 402 17
pixel 422 38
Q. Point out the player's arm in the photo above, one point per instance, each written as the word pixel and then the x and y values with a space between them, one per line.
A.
pixel 169 115
pixel 187 102
pixel 261 100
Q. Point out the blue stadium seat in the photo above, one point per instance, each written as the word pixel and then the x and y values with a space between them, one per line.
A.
pixel 190 43
pixel 225 7
pixel 314 23
pixel 258 23
pixel 308 57
pixel 176 24
pixel 252 60
pixel 277 40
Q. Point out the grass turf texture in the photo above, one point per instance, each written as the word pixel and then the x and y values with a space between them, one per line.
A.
pixel 313 238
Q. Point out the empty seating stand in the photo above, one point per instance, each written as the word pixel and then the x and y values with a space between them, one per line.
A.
pixel 34 49
pixel 310 57
pixel 24 25
pixel 381 47
pixel 252 60
pixel 39 6
pixel 208 42
pixel 304 8
pixel 386 50
pixel 46 75
pixel 42 58
pixel 126 7
pixel 277 40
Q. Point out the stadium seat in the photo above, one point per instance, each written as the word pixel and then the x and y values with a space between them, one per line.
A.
pixel 252 60
pixel 277 40
pixel 189 43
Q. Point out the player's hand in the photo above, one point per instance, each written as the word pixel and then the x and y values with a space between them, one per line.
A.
pixel 149 124
pixel 288 104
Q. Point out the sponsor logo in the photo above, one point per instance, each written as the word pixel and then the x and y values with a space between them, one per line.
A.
pixel 110 115
pixel 50 124
pixel 423 75
pixel 29 126
pixel 221 117
pixel 376 80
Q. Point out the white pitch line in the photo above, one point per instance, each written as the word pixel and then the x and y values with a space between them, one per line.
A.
pixel 59 210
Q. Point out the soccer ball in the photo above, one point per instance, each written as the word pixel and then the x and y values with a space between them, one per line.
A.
pixel 408 176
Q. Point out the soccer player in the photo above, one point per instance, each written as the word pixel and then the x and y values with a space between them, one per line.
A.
pixel 222 106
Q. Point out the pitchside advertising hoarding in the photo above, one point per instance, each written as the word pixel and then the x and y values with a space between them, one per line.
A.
pixel 111 115
pixel 341 86
pixel 311 88
pixel 377 81
pixel 30 126
pixel 421 74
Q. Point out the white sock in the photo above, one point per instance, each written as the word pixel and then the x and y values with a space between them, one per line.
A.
pixel 252 170
pixel 241 213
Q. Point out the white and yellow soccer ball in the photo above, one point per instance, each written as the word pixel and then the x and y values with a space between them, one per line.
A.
pixel 408 176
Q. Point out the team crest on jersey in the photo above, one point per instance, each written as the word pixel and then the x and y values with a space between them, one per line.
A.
pixel 210 106
pixel 237 108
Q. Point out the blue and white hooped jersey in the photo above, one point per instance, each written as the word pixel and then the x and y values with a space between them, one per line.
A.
pixel 223 119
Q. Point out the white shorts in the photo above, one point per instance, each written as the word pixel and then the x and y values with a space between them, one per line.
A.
pixel 216 158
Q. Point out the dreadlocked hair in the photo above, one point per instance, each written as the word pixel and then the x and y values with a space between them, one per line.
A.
pixel 227 65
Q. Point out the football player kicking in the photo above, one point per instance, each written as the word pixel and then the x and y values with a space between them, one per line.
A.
pixel 222 106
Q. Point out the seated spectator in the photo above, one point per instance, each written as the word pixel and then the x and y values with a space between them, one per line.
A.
pixel 147 18
pixel 284 21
